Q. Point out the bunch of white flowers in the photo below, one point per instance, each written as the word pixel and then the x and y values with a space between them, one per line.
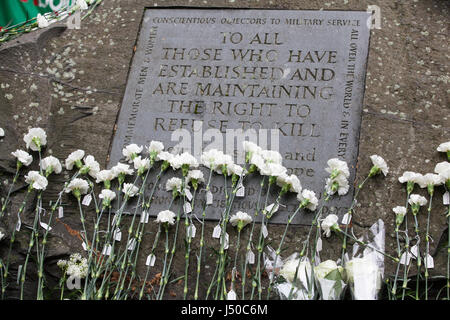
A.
pixel 330 280
pixel 76 266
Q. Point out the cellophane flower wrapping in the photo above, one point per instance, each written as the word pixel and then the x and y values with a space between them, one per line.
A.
pixel 290 283
pixel 365 271
pixel 330 280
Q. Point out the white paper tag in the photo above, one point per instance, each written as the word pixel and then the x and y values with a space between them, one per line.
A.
pixel 187 207
pixel 271 208
pixel 84 246
pixel 144 217
pixel 60 212
pixel 241 190
pixel 346 219
pixel 188 194
pixel 227 242
pixel 209 197
pixel 216 232
pixel 45 226
pixel 405 258
pixel 231 295
pixel 250 257
pixel 107 250
pixel 319 245
pixel 87 200
pixel 446 198
pixel 117 234
pixel 414 251
pixel 131 244
pixel 429 262
pixel 151 258
pixel 192 230
pixel 265 232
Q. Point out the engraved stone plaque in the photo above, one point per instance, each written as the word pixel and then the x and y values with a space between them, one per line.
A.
pixel 298 75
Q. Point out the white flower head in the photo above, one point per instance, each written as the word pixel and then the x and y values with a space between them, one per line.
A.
pixel 76 266
pixel 130 189
pixel 23 157
pixel 417 200
pixel 164 156
pixel 166 217
pixel 308 199
pixel 120 170
pixel 325 268
pixel 430 179
pixel 222 162
pixel 74 158
pixel 174 185
pixel 292 182
pixel 105 176
pixel 36 138
pixel 51 164
pixel 107 196
pixel 141 165
pixel 250 149
pixel 444 147
pixel 42 21
pixel 208 158
pixel 78 187
pixel 234 169
pixel 337 168
pixel 36 180
pixel 131 151
pixel 443 169
pixel 195 177
pixel 379 164
pixel 304 271
pixel 409 176
pixel 91 167
pixel 339 184
pixel 240 219
pixel 185 161
pixel 155 148
pixel 329 223
pixel 400 213
pixel 273 169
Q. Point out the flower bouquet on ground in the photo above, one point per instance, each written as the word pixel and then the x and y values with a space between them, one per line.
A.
pixel 365 270
pixel 329 279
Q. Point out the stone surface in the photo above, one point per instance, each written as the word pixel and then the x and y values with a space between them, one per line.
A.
pixel 291 81
pixel 405 115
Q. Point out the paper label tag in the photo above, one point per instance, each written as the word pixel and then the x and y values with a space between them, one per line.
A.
pixel 107 250
pixel 414 251
pixel 84 246
pixel 265 232
pixel 151 258
pixel 446 198
pixel 227 242
pixel 319 245
pixel 405 258
pixel 131 244
pixel 144 217
pixel 45 226
pixel 188 194
pixel 87 200
pixel 231 295
pixel 19 223
pixel 187 207
pixel 429 262
pixel 191 231
pixel 209 197
pixel 346 219
pixel 216 232
pixel 271 209
pixel 241 190
pixel 250 257
pixel 117 234
pixel 60 212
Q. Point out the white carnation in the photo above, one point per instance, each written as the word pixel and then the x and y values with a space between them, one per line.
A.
pixel 78 184
pixel 36 180
pixel 380 163
pixel 331 221
pixel 131 151
pixel 271 156
pixel 337 168
pixel 164 156
pixel 184 159
pixel 430 179
pixel 303 274
pixel 52 164
pixel 174 184
pixel 416 199
pixel 409 176
pixel 141 165
pixel 122 168
pixel 250 147
pixel 91 166
pixel 291 180
pixel 24 157
pixel 273 169
pixel 240 219
pixel 195 175
pixel 443 169
pixel 107 194
pixel 35 139
pixel 399 210
pixel 105 175
pixel 444 147
pixel 208 158
pixel 166 216
pixel 74 157
pixel 340 182
pixel 130 189
pixel 155 147
pixel 310 199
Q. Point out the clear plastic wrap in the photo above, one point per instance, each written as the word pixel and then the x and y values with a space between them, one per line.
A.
pixel 329 279
pixel 365 271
